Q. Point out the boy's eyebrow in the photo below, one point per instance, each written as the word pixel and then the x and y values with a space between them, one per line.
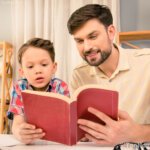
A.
pixel 31 62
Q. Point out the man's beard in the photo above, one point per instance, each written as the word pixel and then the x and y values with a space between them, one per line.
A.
pixel 94 62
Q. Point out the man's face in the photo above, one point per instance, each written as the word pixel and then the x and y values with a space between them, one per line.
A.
pixel 94 42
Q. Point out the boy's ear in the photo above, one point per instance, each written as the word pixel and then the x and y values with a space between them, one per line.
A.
pixel 54 68
pixel 21 73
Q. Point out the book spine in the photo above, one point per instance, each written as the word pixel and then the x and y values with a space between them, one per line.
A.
pixel 115 103
pixel 73 123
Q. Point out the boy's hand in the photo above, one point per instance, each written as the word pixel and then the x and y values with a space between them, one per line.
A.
pixel 25 132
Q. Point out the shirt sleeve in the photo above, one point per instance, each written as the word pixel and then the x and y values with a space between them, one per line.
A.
pixel 60 87
pixel 64 88
pixel 16 104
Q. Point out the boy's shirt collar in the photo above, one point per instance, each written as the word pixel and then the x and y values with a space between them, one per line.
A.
pixel 48 89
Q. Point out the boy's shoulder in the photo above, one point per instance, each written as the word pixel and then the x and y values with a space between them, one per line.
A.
pixel 59 86
pixel 21 83
pixel 57 81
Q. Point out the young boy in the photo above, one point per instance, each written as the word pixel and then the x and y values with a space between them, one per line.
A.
pixel 37 61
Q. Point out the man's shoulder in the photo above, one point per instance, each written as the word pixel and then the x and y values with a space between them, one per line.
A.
pixel 138 52
pixel 142 52
pixel 82 65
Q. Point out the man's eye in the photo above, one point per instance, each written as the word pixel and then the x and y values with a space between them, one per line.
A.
pixel 93 37
pixel 79 41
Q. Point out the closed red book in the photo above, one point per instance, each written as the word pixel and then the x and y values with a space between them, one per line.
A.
pixel 57 115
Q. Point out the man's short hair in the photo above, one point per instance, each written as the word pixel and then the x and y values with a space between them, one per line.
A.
pixel 88 12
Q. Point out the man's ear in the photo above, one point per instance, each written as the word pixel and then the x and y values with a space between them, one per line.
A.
pixel 111 32
pixel 21 73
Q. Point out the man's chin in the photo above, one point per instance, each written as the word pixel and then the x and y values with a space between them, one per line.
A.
pixel 96 64
pixel 93 63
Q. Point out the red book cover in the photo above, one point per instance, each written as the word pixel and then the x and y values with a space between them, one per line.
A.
pixel 57 114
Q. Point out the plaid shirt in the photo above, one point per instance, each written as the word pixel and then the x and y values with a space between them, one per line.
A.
pixel 16 106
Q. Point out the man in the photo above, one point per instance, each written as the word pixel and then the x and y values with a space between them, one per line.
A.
pixel 127 71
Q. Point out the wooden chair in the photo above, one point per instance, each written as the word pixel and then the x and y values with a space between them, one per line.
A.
pixel 6 80
pixel 126 37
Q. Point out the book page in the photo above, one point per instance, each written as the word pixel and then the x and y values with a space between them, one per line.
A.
pixel 102 86
pixel 50 94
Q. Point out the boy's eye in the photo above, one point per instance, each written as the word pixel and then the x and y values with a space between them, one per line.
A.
pixel 29 67
pixel 44 64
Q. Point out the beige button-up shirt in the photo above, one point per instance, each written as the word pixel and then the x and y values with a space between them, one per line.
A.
pixel 131 79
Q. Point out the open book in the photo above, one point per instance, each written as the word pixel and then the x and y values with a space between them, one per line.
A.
pixel 57 115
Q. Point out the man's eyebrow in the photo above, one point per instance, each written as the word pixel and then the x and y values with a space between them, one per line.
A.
pixel 93 32
pixel 76 39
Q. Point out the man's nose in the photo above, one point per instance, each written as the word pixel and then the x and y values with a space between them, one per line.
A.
pixel 87 45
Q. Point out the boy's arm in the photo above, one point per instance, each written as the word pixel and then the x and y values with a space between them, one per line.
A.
pixel 25 132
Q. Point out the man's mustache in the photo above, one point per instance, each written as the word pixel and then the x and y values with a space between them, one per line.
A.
pixel 86 53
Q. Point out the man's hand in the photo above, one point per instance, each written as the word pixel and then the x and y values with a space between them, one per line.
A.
pixel 113 132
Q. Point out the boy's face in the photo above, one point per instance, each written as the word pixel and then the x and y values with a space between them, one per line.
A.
pixel 37 67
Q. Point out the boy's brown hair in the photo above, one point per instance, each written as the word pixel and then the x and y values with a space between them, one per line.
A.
pixel 46 45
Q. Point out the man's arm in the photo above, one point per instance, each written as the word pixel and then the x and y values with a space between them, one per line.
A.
pixel 114 132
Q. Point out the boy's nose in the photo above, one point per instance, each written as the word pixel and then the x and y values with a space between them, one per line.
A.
pixel 38 70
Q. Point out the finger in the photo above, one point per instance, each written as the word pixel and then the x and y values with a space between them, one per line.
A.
pixel 123 115
pixel 94 133
pixel 92 125
pixel 101 115
pixel 30 131
pixel 31 137
pixel 84 139
pixel 102 142
pixel 27 126
pixel 34 136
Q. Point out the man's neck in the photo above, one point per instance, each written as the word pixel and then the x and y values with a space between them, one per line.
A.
pixel 110 65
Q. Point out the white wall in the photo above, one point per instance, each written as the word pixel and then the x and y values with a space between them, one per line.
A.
pixel 5 21
pixel 135 15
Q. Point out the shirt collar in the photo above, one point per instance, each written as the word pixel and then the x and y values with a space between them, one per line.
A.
pixel 123 63
pixel 48 89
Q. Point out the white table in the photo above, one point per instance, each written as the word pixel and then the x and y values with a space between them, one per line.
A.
pixel 8 142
